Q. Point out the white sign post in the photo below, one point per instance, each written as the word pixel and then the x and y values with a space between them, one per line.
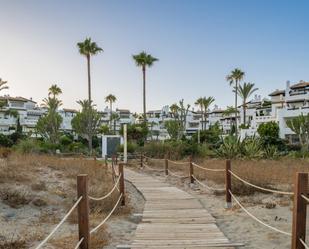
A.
pixel 125 152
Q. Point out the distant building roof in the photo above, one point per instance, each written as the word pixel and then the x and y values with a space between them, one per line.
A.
pixel 277 92
pixel 301 84
pixel 123 110
pixel 70 110
pixel 22 99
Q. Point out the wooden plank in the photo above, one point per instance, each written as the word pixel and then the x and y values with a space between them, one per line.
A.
pixel 174 219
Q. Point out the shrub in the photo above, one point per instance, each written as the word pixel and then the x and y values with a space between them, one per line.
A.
pixel 65 140
pixel 251 148
pixel 5 141
pixel 131 147
pixel 27 146
pixel 230 148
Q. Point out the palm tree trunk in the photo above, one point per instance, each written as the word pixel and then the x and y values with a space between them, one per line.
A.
pixel 111 113
pixel 236 89
pixel 202 118
pixel 89 78
pixel 144 92
pixel 244 111
pixel 90 145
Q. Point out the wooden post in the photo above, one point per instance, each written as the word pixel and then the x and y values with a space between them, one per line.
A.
pixel 299 210
pixel 116 159
pixel 191 170
pixel 228 184
pixel 83 211
pixel 166 165
pixel 106 164
pixel 121 183
pixel 142 160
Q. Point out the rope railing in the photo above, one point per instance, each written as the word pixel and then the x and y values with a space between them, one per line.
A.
pixel 304 243
pixel 108 194
pixel 175 174
pixel 107 217
pixel 178 163
pixel 60 223
pixel 206 186
pixel 151 168
pixel 305 198
pixel 208 169
pixel 79 243
pixel 155 159
pixel 257 219
pixel 258 187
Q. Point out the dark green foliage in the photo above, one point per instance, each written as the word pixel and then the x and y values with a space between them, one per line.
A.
pixel 65 140
pixel 136 132
pixel 269 134
pixel 5 141
pixel 211 136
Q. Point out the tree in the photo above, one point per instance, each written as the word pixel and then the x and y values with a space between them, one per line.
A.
pixel 49 124
pixel 54 90
pixel 172 128
pixel 234 78
pixel 144 60
pixel 206 104
pixel 199 103
pixel 114 118
pixel 245 91
pixel 227 113
pixel 3 85
pixel 110 99
pixel 269 129
pixel 183 113
pixel 86 122
pixel 174 108
pixel 88 48
pixel 300 126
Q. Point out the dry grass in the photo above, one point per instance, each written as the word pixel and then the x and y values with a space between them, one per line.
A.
pixel 30 177
pixel 274 174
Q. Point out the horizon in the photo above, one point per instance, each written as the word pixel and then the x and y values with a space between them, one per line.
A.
pixel 197 43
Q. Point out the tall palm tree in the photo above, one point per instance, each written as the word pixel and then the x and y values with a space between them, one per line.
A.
pixel 110 99
pixel 199 102
pixel 234 78
pixel 88 48
pixel 54 90
pixel 245 91
pixel 144 60
pixel 206 104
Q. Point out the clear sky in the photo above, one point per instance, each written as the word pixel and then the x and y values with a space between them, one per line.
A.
pixel 198 43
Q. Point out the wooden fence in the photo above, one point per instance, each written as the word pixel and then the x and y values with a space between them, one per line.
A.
pixel 83 211
pixel 300 193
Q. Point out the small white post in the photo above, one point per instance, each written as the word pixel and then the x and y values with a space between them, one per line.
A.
pixel 125 152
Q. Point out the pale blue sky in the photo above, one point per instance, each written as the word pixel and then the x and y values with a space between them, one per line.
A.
pixel 198 43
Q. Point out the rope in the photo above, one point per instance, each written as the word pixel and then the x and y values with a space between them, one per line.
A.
pixel 258 220
pixel 79 243
pixel 60 223
pixel 304 243
pixel 151 158
pixel 150 168
pixel 305 197
pixel 208 169
pixel 206 186
pixel 107 217
pixel 179 163
pixel 108 194
pixel 174 174
pixel 261 188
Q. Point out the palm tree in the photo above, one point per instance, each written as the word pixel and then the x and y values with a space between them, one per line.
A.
pixel 54 90
pixel 3 85
pixel 144 60
pixel 228 112
pixel 245 91
pixel 234 78
pixel 110 99
pixel 199 102
pixel 88 49
pixel 206 103
pixel 174 110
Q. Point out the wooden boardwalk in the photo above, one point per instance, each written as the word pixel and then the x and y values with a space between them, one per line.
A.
pixel 173 219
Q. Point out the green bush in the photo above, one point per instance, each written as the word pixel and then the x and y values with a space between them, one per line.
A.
pixel 27 146
pixel 230 148
pixel 5 141
pixel 131 147
pixel 65 140
pixel 251 148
